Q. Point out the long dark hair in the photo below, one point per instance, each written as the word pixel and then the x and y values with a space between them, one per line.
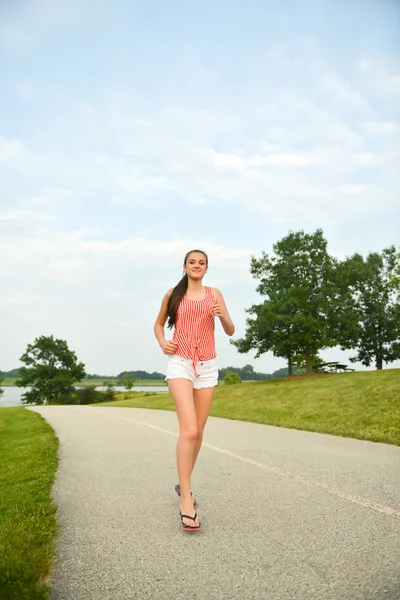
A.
pixel 179 291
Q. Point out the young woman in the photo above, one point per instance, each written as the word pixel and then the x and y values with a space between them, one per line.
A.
pixel 192 371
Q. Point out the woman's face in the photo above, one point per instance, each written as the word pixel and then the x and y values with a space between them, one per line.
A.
pixel 196 265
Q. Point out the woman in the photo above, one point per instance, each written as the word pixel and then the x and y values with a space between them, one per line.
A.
pixel 192 371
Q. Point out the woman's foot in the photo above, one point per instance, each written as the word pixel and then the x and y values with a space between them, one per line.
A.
pixel 188 513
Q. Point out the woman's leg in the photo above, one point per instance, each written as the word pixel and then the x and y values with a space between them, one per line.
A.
pixel 182 393
pixel 202 404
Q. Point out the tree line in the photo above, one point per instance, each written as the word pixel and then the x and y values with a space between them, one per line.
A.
pixel 137 375
pixel 247 373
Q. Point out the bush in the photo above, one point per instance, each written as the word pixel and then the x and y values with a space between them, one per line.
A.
pixel 65 399
pixel 86 395
pixel 232 378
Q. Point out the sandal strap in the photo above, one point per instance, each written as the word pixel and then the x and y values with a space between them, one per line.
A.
pixel 188 517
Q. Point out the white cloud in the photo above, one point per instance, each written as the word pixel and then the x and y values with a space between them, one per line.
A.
pixel 233 162
pixel 10 149
pixel 343 133
pixel 365 66
pixel 381 128
pixel 13 38
pixel 18 215
pixel 351 189
pixel 394 80
pixel 341 91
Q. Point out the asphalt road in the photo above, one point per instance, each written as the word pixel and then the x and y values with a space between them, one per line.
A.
pixel 285 514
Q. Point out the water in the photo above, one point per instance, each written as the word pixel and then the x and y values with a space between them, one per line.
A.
pixel 12 395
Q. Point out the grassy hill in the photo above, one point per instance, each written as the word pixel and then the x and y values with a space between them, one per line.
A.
pixel 363 405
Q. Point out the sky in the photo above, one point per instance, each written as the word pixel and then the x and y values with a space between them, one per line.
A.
pixel 132 131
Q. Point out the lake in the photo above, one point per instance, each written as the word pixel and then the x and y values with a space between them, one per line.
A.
pixel 12 395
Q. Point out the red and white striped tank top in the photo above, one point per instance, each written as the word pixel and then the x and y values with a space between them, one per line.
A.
pixel 194 329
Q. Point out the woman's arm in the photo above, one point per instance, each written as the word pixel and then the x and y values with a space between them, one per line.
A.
pixel 168 347
pixel 220 310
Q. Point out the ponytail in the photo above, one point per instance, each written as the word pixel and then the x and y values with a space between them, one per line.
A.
pixel 174 300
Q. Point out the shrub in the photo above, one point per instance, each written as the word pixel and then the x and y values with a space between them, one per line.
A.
pixel 231 378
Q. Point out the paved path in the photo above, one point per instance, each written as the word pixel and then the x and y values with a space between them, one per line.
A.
pixel 285 514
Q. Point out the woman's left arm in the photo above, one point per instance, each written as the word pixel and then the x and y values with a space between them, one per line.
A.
pixel 220 310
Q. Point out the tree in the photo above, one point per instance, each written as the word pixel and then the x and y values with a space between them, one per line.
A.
pixel 395 275
pixel 128 382
pixel 232 378
pixel 377 306
pixel 1 389
pixel 51 369
pixel 304 307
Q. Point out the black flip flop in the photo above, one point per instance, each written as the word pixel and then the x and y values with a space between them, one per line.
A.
pixel 189 527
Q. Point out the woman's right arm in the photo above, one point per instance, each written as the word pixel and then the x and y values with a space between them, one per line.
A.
pixel 168 347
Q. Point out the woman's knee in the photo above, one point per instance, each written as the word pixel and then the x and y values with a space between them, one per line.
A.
pixel 189 433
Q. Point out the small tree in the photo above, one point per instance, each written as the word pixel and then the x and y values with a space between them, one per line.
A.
pixel 231 378
pixel 51 370
pixel 128 382
pixel 110 385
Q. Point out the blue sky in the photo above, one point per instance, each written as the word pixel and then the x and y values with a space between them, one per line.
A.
pixel 134 131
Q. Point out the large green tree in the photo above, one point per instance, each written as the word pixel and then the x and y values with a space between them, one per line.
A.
pixel 306 301
pixel 376 303
pixel 51 370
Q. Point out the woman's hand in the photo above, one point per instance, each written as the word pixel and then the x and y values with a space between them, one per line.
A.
pixel 217 310
pixel 169 347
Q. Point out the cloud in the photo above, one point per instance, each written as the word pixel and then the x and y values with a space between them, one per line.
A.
pixel 340 91
pixel 10 149
pixel 394 81
pixel 364 66
pixel 232 162
pixel 383 128
pixel 351 189
pixel 13 38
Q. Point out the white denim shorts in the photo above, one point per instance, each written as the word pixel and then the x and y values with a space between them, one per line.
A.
pixel 182 368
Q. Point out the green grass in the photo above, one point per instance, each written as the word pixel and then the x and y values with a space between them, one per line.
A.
pixel 28 463
pixel 7 381
pixel 363 405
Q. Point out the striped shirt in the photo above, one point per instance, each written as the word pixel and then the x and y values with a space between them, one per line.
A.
pixel 194 329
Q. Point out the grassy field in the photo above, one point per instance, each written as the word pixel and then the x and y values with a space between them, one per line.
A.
pixel 363 405
pixel 8 381
pixel 28 451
